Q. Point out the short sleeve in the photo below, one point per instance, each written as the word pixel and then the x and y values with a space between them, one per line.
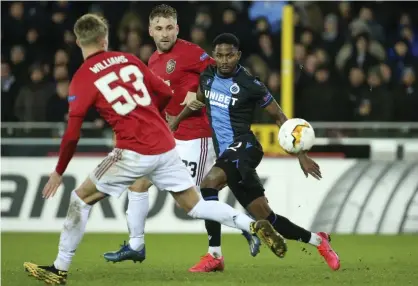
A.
pixel 198 59
pixel 261 93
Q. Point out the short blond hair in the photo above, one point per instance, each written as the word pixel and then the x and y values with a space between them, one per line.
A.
pixel 89 28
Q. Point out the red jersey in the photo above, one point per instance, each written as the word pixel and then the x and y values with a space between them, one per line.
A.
pixel 121 88
pixel 181 68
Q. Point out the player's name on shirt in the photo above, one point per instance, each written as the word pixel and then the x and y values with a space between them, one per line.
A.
pixel 106 63
pixel 219 99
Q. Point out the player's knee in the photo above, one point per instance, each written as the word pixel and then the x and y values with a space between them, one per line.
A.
pixel 88 192
pixel 187 199
pixel 140 186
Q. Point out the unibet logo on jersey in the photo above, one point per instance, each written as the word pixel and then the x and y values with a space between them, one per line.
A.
pixel 220 99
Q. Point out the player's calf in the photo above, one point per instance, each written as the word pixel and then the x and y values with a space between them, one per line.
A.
pixel 81 203
pixel 261 210
pixel 196 207
pixel 259 207
pixel 225 214
pixel 213 182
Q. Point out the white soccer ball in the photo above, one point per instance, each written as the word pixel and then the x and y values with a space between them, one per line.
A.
pixel 296 135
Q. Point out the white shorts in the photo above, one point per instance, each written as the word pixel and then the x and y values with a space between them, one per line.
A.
pixel 121 168
pixel 198 155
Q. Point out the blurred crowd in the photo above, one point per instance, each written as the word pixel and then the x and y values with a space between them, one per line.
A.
pixel 354 61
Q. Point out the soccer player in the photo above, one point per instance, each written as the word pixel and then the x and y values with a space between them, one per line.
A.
pixel 121 87
pixel 231 95
pixel 179 63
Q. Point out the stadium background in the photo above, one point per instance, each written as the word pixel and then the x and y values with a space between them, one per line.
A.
pixel 354 79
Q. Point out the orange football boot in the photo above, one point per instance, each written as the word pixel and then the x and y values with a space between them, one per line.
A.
pixel 327 252
pixel 208 263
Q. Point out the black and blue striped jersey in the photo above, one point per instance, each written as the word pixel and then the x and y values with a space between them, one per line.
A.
pixel 231 103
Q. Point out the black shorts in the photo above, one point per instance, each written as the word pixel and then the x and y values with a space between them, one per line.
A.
pixel 239 162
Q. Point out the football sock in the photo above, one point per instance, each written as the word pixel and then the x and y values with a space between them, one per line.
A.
pixel 136 214
pixel 315 239
pixel 290 230
pixel 222 213
pixel 215 251
pixel 73 231
pixel 213 228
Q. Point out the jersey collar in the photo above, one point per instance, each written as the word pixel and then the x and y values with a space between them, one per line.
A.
pixel 95 54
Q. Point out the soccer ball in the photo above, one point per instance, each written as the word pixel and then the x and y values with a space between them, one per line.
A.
pixel 296 135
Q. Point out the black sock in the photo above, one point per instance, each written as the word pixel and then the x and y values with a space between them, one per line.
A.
pixel 213 228
pixel 288 229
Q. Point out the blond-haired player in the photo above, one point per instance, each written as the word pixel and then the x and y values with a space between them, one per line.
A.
pixel 122 88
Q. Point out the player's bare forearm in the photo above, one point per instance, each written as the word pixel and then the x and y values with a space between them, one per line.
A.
pixel 276 112
pixel 186 112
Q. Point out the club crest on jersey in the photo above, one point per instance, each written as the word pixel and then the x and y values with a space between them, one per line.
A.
pixel 171 65
pixel 234 89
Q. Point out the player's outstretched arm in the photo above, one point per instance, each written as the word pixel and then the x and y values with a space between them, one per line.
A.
pixel 308 166
pixel 191 107
pixel 81 98
pixel 276 112
pixel 67 149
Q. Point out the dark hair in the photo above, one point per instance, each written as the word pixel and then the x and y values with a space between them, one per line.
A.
pixel 164 11
pixel 226 38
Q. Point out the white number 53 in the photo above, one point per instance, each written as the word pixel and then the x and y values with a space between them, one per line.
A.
pixel 112 94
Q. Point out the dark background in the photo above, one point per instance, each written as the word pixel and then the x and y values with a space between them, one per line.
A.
pixel 354 61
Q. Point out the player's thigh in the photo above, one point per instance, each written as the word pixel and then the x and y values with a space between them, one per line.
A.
pixel 255 201
pixel 88 192
pixel 171 174
pixel 197 155
pixel 141 185
pixel 245 192
pixel 120 169
pixel 233 179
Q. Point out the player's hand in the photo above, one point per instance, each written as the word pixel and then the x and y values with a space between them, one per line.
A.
pixel 190 96
pixel 191 101
pixel 309 166
pixel 195 105
pixel 52 185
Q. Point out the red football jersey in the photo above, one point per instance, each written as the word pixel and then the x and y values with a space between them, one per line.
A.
pixel 181 68
pixel 122 88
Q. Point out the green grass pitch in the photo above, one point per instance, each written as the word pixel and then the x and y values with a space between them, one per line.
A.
pixel 366 260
